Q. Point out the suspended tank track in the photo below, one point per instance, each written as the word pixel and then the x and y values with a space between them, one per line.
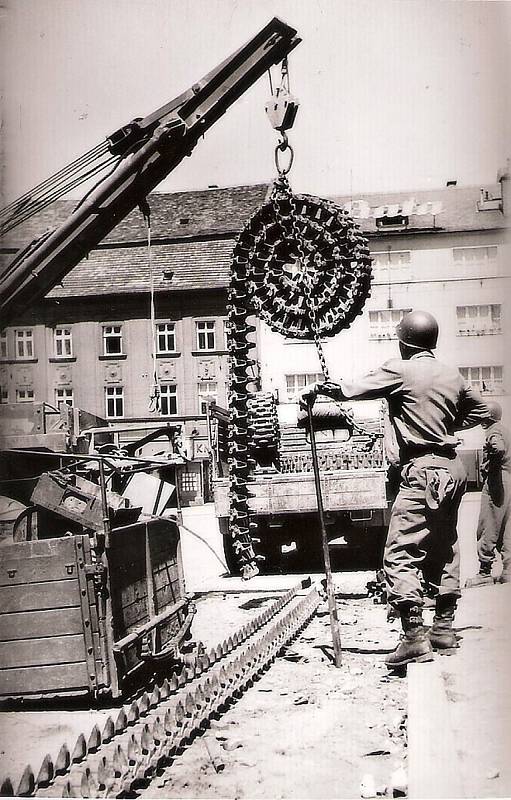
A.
pixel 303 267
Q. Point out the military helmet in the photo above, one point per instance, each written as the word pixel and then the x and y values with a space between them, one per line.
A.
pixel 419 330
pixel 495 410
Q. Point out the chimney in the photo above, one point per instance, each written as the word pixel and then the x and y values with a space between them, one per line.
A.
pixel 503 176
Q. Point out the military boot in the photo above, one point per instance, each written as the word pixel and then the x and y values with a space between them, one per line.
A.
pixel 414 644
pixel 441 634
pixel 482 578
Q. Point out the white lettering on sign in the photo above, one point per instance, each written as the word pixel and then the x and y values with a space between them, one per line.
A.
pixel 360 209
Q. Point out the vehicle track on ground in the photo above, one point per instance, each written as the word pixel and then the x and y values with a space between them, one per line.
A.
pixel 166 719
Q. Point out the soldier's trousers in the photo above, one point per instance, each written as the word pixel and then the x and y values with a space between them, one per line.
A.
pixel 494 526
pixel 422 536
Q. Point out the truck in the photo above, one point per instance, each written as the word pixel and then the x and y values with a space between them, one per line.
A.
pixel 282 500
pixel 92 594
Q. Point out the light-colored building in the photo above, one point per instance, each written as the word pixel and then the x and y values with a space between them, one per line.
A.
pixel 445 251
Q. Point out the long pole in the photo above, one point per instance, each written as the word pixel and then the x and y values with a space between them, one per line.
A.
pixel 332 605
pixel 105 595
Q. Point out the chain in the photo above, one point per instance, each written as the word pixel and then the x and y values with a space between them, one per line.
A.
pixel 282 147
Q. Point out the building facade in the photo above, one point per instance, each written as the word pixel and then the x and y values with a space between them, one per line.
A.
pixel 137 335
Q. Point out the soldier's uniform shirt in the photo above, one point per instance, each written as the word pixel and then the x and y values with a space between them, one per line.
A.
pixel 494 525
pixel 428 401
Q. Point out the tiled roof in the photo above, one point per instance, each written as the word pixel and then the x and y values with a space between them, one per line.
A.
pixel 206 211
pixel 121 270
pixel 458 203
pixel 201 263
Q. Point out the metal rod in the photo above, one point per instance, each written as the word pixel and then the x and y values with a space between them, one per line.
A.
pixel 332 606
pixel 151 607
pixel 105 595
pixel 148 626
pixel 90 456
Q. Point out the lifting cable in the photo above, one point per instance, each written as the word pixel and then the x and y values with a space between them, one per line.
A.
pixel 155 394
pixel 86 157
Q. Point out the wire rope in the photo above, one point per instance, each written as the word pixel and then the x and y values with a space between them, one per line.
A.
pixel 39 205
pixel 57 177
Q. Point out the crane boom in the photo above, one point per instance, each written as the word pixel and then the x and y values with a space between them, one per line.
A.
pixel 149 149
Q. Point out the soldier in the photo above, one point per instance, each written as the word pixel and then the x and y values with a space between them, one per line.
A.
pixel 494 526
pixel 427 401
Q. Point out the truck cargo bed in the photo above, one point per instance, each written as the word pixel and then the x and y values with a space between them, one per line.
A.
pixel 294 493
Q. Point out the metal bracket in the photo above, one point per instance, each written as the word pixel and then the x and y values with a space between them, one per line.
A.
pixel 97 573
pixel 282 109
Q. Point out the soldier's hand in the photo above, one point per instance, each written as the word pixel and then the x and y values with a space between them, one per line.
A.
pixel 330 389
pixel 309 394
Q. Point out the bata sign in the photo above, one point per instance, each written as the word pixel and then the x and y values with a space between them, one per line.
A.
pixel 360 209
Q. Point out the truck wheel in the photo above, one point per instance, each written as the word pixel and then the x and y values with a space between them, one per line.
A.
pixel 309 549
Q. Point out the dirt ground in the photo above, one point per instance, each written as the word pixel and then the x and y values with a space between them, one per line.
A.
pixel 306 729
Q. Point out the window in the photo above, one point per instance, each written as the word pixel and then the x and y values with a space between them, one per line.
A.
pixel 168 399
pixel 24 344
pixel 486 379
pixel 478 320
pixel 63 396
pixel 114 401
pixel 63 343
pixel 208 391
pixel 226 333
pixel 474 255
pixel 397 221
pixel 166 337
pixel 24 395
pixel 391 259
pixel 4 395
pixel 382 323
pixel 206 335
pixel 112 340
pixel 189 481
pixel 4 352
pixel 295 383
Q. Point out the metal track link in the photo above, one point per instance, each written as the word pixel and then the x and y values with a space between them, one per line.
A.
pixel 154 729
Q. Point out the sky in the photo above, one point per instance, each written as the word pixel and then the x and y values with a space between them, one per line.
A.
pixel 394 94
